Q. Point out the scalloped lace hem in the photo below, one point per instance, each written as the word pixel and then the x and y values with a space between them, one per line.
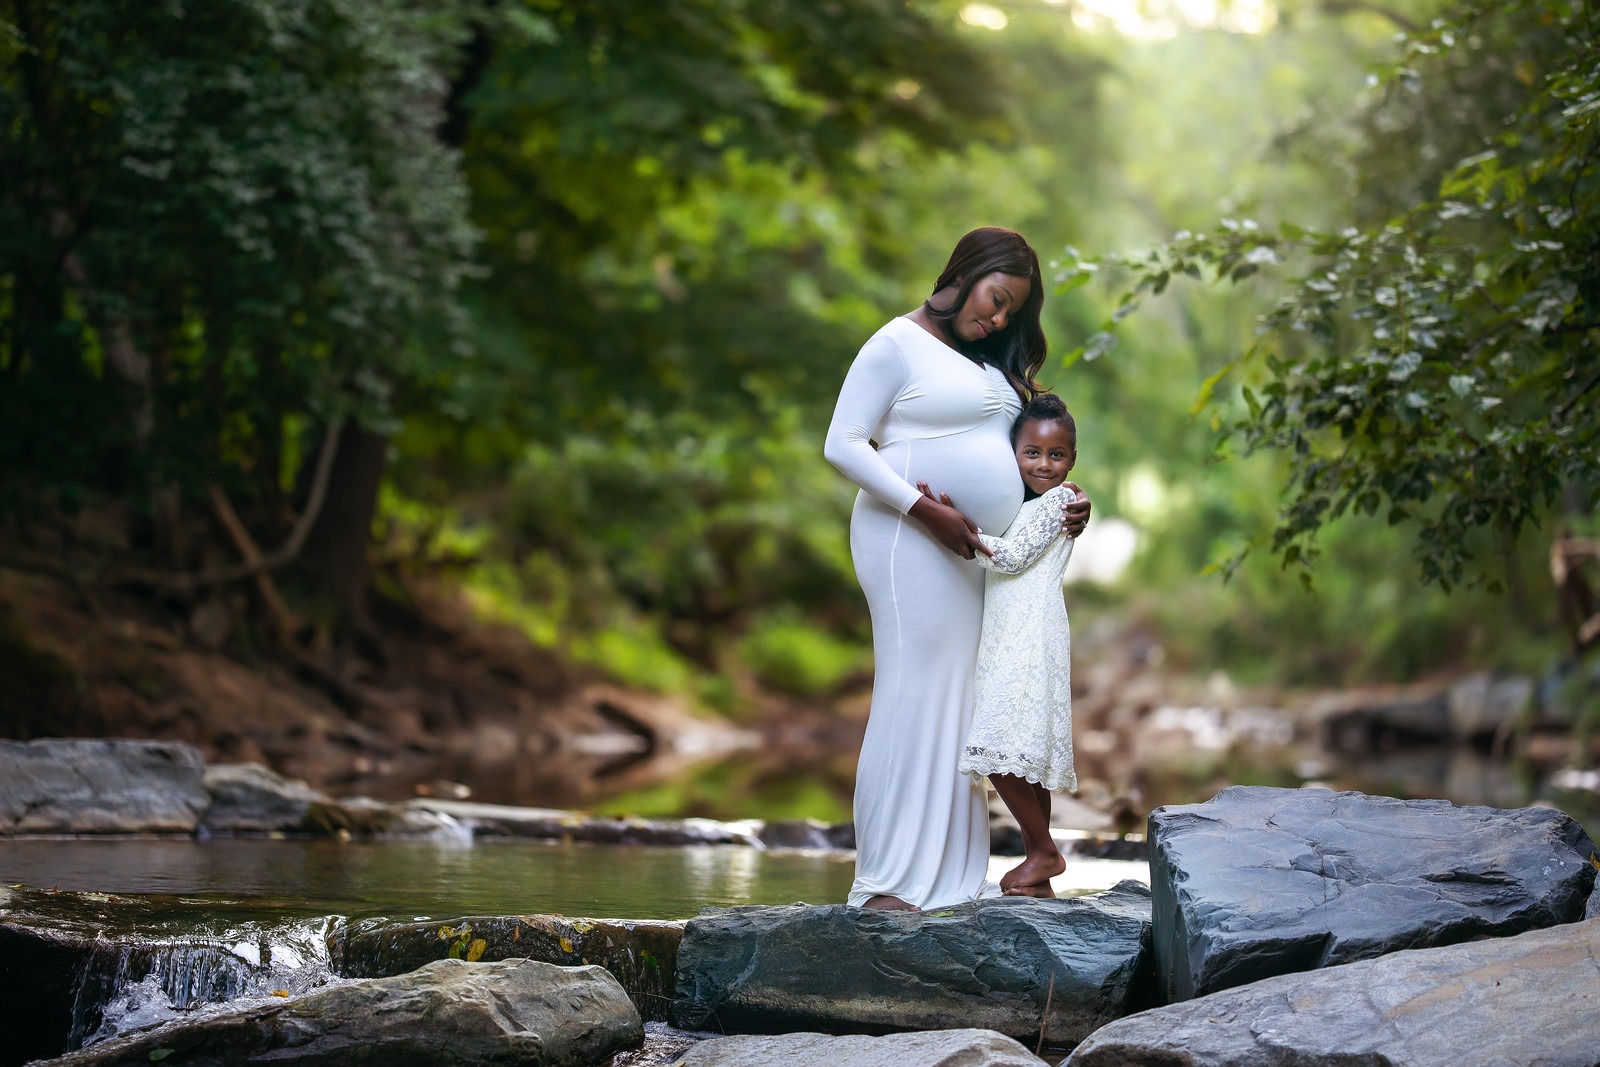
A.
pixel 979 768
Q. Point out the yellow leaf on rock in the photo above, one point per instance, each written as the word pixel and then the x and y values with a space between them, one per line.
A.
pixel 475 953
pixel 566 945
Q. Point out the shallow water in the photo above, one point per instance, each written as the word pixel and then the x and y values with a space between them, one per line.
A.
pixel 407 879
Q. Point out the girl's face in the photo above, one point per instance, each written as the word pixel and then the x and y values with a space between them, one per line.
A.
pixel 989 307
pixel 1044 454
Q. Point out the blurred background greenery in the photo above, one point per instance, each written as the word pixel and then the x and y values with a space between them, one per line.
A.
pixel 556 297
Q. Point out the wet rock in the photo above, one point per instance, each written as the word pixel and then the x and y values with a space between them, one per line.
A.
pixel 248 797
pixel 100 787
pixel 496 820
pixel 939 1048
pixel 1260 881
pixel 640 954
pixel 38 978
pixel 1533 998
pixel 990 964
pixel 450 1011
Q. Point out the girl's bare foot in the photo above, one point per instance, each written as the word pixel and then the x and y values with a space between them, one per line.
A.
pixel 884 902
pixel 1033 871
pixel 1042 889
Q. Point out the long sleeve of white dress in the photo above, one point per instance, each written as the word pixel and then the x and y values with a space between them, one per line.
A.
pixel 877 378
pixel 1018 547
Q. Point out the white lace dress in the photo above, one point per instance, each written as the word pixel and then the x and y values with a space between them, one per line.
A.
pixel 1022 722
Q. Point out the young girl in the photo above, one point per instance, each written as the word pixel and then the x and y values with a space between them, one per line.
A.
pixel 1021 734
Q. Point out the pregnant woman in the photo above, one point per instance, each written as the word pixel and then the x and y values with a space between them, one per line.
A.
pixel 930 398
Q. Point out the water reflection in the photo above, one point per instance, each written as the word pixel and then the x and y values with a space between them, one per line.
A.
pixel 405 879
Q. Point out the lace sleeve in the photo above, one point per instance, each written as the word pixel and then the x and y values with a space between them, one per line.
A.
pixel 1023 544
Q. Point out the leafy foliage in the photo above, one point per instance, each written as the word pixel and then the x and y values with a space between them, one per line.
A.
pixel 1437 369
pixel 218 218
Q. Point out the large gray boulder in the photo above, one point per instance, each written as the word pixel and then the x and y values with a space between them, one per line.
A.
pixel 1533 998
pixel 250 798
pixel 1258 881
pixel 991 964
pixel 56 786
pixel 937 1048
pixel 639 953
pixel 510 1012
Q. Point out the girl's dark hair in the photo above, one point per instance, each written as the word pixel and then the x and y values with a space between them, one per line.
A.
pixel 1045 407
pixel 1019 349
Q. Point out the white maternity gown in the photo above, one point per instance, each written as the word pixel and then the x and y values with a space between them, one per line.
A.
pixel 922 827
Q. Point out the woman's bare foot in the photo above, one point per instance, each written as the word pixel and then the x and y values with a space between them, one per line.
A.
pixel 1042 889
pixel 884 902
pixel 1034 871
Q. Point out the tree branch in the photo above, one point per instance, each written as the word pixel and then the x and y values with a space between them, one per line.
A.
pixel 259 563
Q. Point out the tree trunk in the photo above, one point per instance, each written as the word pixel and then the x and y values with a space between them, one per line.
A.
pixel 334 560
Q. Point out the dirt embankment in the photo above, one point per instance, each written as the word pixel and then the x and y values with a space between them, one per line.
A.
pixel 456 701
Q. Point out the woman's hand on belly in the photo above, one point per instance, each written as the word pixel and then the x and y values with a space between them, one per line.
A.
pixel 948 526
pixel 1075 516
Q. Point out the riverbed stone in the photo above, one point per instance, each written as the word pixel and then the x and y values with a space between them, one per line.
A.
pixel 1532 998
pixel 639 953
pixel 251 798
pixel 499 820
pixel 1262 881
pixel 991 964
pixel 449 1011
pixel 937 1048
pixel 65 786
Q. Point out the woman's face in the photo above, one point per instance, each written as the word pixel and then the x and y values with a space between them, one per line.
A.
pixel 989 307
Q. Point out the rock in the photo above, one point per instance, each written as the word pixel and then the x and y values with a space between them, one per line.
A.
pixel 1593 909
pixel 1380 724
pixel 990 964
pixel 496 820
pixel 1533 998
pixel 508 1012
pixel 248 797
pixel 365 817
pixel 640 954
pixel 1481 705
pixel 1261 881
pixel 794 833
pixel 938 1048
pixel 100 787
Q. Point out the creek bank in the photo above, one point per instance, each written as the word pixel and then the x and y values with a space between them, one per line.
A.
pixel 506 1012
pixel 1532 998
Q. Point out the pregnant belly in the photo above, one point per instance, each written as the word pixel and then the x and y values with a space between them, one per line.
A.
pixel 977 469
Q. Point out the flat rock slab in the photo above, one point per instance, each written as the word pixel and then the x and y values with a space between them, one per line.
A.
pixel 100 787
pixel 639 953
pixel 510 1012
pixel 1529 999
pixel 990 964
pixel 940 1048
pixel 1260 881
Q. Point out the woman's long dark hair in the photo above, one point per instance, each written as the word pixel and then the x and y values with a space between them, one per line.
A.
pixel 1019 349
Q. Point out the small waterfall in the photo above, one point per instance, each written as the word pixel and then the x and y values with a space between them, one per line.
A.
pixel 127 986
